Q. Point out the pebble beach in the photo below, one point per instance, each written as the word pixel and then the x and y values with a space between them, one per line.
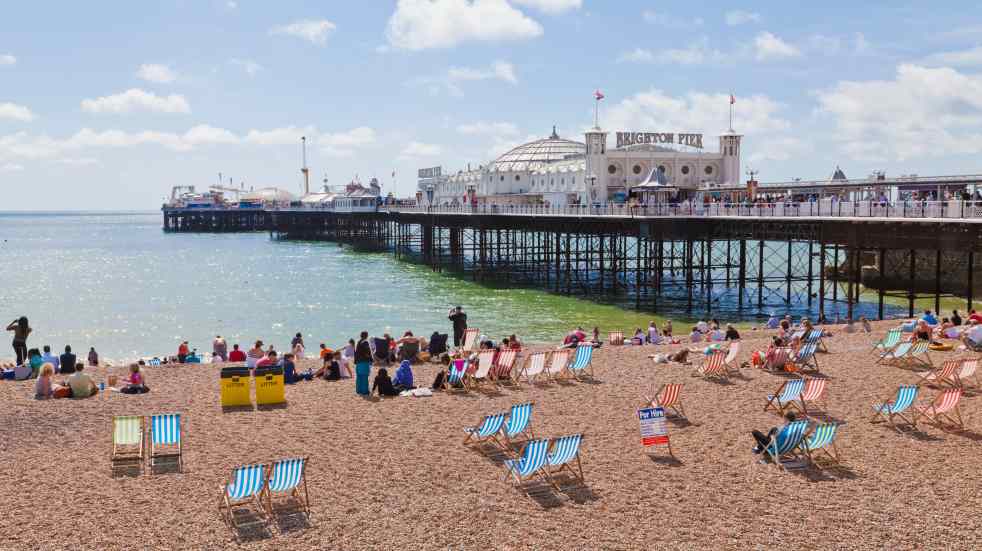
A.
pixel 393 473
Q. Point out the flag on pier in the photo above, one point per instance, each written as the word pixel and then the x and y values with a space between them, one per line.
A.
pixel 598 95
pixel 732 99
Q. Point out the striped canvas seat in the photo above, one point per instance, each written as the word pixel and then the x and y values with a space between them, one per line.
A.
pixel 470 339
pixel 534 365
pixel 669 396
pixel 943 410
pixel 712 366
pixel 616 338
pixel 455 375
pixel 485 361
pixel 287 476
pixel 786 442
pixel 945 375
pixel 165 438
pixel 582 362
pixel 778 360
pixel 896 352
pixel 566 451
pixel 805 357
pixel 530 463
pixel 247 485
pixel 558 363
pixel 487 430
pixel 785 396
pixel 918 356
pixel 504 365
pixel 153 362
pixel 891 340
pixel 897 409
pixel 127 442
pixel 813 392
pixel 967 373
pixel 519 422
pixel 822 438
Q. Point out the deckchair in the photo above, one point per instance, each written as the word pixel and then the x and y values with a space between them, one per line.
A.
pixel 822 438
pixel 582 362
pixel 778 361
pixel 943 410
pixel 668 396
pixel 485 361
pixel 815 336
pixel 530 463
pixel 165 439
pixel 813 392
pixel 534 365
pixel 557 363
pixel 487 430
pixel 381 352
pixel 286 477
pixel 504 365
pixel 246 486
pixel 713 366
pixel 968 372
pixel 887 411
pixel 731 355
pixel 127 442
pixel 918 356
pixel 456 376
pixel 616 338
pixel 888 342
pixel 787 442
pixel 945 375
pixel 898 351
pixel 785 396
pixel 470 339
pixel 519 423
pixel 805 358
pixel 153 362
pixel 565 451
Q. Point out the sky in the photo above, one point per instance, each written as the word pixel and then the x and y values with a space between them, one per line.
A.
pixel 107 105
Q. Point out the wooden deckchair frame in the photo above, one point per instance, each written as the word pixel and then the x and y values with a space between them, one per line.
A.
pixel 930 410
pixel 128 455
pixel 775 403
pixel 879 416
pixel 577 474
pixel 562 372
pixel 525 368
pixel 713 366
pixel 656 399
pixel 501 373
pixel 944 375
pixel 834 454
pixel 161 451
pixel 227 503
pixel 292 492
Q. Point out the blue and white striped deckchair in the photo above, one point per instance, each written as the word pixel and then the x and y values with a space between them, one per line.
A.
pixel 286 477
pixel 247 485
pixel 918 356
pixel 815 336
pixel 519 422
pixel 886 411
pixel 897 352
pixel 456 376
pixel 788 440
pixel 785 396
pixel 565 451
pixel 487 430
pixel 822 438
pixel 805 358
pixel 165 439
pixel 531 462
pixel 153 362
pixel 582 362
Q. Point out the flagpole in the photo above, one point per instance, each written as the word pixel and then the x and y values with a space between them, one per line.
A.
pixel 596 112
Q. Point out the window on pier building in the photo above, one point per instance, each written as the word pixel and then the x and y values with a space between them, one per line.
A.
pixel 612 169
pixel 685 170
pixel 709 170
pixel 636 169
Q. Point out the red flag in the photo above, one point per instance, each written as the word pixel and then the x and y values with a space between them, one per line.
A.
pixel 732 99
pixel 598 95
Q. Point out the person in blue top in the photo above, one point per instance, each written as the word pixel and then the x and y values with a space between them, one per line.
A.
pixel 290 375
pixel 929 318
pixel 404 376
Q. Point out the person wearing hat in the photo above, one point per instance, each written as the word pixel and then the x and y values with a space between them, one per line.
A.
pixel 459 320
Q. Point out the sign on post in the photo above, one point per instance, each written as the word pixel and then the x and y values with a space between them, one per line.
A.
pixel 654 430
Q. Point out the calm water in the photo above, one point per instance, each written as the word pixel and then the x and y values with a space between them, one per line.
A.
pixel 117 282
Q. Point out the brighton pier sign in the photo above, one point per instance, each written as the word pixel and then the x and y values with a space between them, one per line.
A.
pixel 636 138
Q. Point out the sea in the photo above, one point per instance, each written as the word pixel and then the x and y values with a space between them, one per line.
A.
pixel 117 282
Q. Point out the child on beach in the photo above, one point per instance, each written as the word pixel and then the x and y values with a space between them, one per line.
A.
pixel 42 388
pixel 136 384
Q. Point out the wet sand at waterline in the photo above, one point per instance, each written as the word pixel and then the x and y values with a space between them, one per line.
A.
pixel 392 474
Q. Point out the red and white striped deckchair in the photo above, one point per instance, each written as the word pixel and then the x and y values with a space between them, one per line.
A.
pixel 615 338
pixel 668 396
pixel 943 410
pixel 813 393
pixel 967 373
pixel 469 343
pixel 944 375
pixel 503 366
pixel 558 363
pixel 713 366
pixel 778 361
pixel 485 361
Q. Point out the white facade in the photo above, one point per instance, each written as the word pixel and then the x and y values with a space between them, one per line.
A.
pixel 559 172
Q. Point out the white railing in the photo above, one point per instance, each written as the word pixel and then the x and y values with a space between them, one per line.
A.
pixel 822 209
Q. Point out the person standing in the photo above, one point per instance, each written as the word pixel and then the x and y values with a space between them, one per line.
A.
pixel 93 357
pixel 459 319
pixel 21 330
pixel 182 352
pixel 363 364
pixel 219 348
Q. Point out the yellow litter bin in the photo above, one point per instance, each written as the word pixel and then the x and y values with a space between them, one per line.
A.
pixel 235 387
pixel 270 388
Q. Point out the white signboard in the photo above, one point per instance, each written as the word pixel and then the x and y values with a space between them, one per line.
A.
pixel 432 172
pixel 636 138
pixel 654 431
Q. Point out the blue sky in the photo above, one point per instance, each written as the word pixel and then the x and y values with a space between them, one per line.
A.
pixel 106 105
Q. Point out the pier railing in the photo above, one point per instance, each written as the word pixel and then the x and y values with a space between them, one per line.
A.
pixel 954 210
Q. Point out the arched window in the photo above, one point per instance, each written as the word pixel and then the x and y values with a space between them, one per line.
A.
pixel 636 169
pixel 685 170
pixel 612 169
pixel 709 170
pixel 517 178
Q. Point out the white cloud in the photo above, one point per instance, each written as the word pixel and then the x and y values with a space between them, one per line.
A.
pixel 314 31
pixel 740 17
pixel 205 134
pixel 696 54
pixel 667 20
pixel 415 150
pixel 15 112
pixel 451 82
pixel 82 161
pixel 154 72
pixel 250 67
pixel 11 167
pixel 551 6
pixel 289 135
pixel 482 128
pixel 7 59
pixel 769 46
pixel 343 144
pixel 971 57
pixel 922 112
pixel 425 24
pixel 135 99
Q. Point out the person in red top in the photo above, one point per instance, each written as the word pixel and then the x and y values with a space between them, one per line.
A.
pixel 236 355
pixel 182 352
pixel 973 315
pixel 270 359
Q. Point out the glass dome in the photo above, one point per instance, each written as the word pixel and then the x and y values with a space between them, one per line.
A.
pixel 535 155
